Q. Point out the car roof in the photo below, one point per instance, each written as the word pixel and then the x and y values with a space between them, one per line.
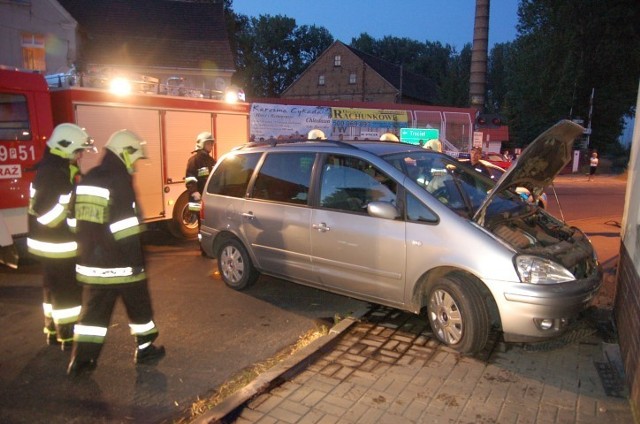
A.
pixel 378 148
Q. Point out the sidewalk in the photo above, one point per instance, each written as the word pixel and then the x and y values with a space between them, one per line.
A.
pixel 388 368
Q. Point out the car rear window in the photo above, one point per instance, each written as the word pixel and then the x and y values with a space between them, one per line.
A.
pixel 232 175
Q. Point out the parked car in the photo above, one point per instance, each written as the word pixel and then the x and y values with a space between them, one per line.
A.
pixel 402 226
pixel 497 173
pixel 497 159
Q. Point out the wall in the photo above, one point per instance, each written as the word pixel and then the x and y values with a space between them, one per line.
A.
pixel 44 17
pixel 627 304
pixel 369 86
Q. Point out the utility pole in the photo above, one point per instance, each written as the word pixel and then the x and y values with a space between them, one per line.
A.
pixel 479 53
pixel 588 130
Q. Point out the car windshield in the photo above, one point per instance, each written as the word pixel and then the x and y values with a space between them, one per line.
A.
pixel 456 185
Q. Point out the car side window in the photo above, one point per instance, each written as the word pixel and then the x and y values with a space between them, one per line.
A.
pixel 418 212
pixel 232 175
pixel 284 177
pixel 349 184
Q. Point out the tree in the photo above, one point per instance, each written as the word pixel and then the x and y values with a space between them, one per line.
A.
pixel 273 51
pixel 440 63
pixel 564 49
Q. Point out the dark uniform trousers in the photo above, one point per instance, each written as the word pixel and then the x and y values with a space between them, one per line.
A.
pixel 98 306
pixel 60 291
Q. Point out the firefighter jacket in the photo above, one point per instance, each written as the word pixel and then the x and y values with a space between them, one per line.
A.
pixel 108 226
pixel 199 167
pixel 50 236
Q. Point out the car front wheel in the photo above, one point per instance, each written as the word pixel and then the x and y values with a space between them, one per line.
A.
pixel 235 265
pixel 458 315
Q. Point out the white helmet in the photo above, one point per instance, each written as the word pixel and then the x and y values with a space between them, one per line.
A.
pixel 389 137
pixel 66 139
pixel 128 146
pixel 202 138
pixel 316 134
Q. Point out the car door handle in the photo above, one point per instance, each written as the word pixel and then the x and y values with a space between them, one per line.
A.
pixel 248 215
pixel 322 227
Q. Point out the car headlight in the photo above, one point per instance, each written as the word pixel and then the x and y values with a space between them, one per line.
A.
pixel 537 270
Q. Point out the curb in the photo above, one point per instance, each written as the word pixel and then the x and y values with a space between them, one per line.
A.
pixel 271 378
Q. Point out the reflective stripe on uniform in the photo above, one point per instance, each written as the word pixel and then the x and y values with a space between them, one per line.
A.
pixel 95 275
pixel 83 190
pixel 143 329
pixel 66 316
pixel 125 228
pixel 52 250
pixel 203 172
pixel 47 308
pixel 54 216
pixel 190 180
pixel 194 206
pixel 89 333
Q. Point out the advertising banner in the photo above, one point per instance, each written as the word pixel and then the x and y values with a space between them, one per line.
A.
pixel 287 122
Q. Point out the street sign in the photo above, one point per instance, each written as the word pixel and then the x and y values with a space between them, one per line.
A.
pixel 415 135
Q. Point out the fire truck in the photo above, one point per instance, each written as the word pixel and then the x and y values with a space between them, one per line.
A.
pixel 29 110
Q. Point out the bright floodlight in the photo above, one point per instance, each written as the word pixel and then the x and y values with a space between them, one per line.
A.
pixel 120 86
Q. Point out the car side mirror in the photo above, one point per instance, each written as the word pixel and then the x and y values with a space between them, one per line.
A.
pixel 382 210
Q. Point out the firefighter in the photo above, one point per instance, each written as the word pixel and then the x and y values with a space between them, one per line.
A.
pixel 389 137
pixel 199 167
pixel 316 134
pixel 51 237
pixel 111 260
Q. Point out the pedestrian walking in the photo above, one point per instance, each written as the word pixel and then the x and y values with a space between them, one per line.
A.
pixel 51 239
pixel 199 167
pixel 111 261
pixel 593 165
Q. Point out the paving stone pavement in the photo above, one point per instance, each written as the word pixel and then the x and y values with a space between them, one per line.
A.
pixel 387 368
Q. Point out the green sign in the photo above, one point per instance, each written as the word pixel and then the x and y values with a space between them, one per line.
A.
pixel 415 135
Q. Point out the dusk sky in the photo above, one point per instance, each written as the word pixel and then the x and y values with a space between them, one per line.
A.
pixel 446 21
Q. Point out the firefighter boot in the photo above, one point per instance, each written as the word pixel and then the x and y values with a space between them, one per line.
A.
pixel 65 336
pixel 50 333
pixel 150 355
pixel 78 367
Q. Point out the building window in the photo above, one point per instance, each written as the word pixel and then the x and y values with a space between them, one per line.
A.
pixel 321 80
pixel 337 60
pixel 33 53
pixel 352 78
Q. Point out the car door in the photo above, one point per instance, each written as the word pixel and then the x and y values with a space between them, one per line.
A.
pixel 352 252
pixel 277 216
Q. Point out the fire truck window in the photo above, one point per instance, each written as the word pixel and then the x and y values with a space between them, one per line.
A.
pixel 232 176
pixel 14 117
pixel 284 177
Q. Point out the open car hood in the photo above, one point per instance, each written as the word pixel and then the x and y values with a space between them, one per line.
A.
pixel 538 164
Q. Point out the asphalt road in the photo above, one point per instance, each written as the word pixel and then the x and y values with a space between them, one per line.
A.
pixel 210 333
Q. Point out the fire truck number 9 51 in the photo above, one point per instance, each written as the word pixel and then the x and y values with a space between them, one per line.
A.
pixel 22 153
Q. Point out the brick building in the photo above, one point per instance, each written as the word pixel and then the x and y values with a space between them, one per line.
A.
pixel 344 73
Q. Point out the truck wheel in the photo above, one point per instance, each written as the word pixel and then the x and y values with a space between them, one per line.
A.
pixel 235 265
pixel 184 223
pixel 458 315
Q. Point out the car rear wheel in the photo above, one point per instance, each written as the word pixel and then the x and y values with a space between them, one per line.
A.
pixel 458 315
pixel 235 265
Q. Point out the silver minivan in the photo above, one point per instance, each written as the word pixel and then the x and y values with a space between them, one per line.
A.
pixel 413 229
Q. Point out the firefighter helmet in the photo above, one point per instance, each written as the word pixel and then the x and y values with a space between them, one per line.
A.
pixel 128 146
pixel 66 139
pixel 389 137
pixel 202 138
pixel 316 134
